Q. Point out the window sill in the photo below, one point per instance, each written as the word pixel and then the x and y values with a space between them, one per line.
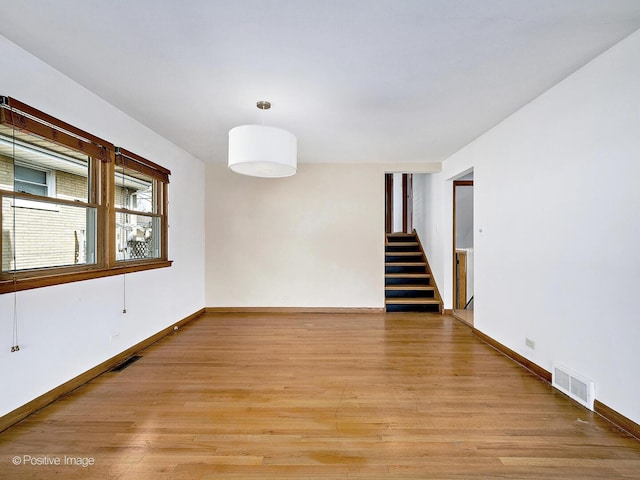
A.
pixel 32 205
pixel 39 279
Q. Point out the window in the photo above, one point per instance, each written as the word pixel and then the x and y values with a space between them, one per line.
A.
pixel 140 191
pixel 63 214
pixel 35 181
pixel 31 180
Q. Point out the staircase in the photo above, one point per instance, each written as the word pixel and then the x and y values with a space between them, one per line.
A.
pixel 409 286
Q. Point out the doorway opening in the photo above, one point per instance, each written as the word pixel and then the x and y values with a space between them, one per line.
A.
pixel 463 286
pixel 398 203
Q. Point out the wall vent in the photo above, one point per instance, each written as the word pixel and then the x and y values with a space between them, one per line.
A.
pixel 581 389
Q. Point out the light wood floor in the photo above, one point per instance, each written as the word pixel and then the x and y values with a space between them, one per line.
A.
pixel 368 396
pixel 465 316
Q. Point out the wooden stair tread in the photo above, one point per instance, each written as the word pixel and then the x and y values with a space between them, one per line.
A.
pixel 409 287
pixel 407 275
pixel 403 254
pixel 404 264
pixel 413 301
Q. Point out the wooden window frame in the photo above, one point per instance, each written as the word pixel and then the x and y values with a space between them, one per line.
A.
pixel 102 184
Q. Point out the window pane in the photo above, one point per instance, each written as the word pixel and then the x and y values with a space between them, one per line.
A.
pixel 41 167
pixel 46 235
pixel 29 175
pixel 31 188
pixel 29 180
pixel 136 236
pixel 134 190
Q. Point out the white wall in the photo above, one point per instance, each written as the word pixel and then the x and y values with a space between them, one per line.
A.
pixel 429 223
pixel 419 207
pixel 556 198
pixel 312 240
pixel 65 330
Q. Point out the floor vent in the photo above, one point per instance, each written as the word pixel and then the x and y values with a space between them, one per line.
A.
pixel 581 389
pixel 126 363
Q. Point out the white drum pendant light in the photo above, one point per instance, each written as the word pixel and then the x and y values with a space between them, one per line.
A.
pixel 262 151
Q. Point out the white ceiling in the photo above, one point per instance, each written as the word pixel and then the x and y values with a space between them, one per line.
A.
pixel 355 80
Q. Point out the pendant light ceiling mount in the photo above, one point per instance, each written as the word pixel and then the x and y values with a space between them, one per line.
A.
pixel 262 151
